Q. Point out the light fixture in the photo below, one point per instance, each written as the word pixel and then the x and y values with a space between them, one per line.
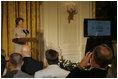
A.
pixel 71 9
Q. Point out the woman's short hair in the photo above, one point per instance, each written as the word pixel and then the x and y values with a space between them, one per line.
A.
pixel 18 19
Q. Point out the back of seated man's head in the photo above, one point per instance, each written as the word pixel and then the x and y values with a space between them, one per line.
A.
pixel 16 60
pixel 25 50
pixel 3 52
pixel 102 55
pixel 52 56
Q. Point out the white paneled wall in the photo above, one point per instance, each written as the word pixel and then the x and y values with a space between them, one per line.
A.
pixel 66 38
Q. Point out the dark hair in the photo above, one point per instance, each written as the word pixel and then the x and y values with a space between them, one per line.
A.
pixel 103 55
pixel 16 59
pixel 52 56
pixel 3 52
pixel 3 64
pixel 18 19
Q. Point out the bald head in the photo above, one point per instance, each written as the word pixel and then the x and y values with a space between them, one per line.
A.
pixel 103 55
pixel 26 50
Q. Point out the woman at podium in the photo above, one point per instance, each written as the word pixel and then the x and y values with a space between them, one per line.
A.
pixel 19 32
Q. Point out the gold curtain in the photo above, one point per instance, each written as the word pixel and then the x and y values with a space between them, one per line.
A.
pixel 30 12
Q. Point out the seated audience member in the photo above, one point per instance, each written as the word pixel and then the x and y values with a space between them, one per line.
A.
pixel 100 58
pixel 15 62
pixel 3 52
pixel 53 70
pixel 30 65
pixel 3 62
pixel 112 72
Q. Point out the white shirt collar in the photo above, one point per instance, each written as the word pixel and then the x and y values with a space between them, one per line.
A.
pixel 52 66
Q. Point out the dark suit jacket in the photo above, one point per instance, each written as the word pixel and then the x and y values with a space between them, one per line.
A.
pixel 3 64
pixel 93 73
pixel 30 65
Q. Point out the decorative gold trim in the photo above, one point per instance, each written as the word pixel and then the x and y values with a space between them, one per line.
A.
pixel 94 9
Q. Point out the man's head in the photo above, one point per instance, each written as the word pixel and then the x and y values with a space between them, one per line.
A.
pixel 25 50
pixel 3 52
pixel 102 55
pixel 16 60
pixel 52 56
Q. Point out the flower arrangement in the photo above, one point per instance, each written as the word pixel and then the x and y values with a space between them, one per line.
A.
pixel 67 64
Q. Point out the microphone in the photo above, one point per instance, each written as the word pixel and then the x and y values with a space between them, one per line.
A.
pixel 26 31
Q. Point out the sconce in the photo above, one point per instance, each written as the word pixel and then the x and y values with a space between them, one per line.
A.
pixel 71 9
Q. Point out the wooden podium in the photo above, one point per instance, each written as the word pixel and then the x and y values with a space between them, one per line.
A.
pixel 34 45
pixel 18 40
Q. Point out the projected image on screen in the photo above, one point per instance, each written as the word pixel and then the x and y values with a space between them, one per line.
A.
pixel 99 28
